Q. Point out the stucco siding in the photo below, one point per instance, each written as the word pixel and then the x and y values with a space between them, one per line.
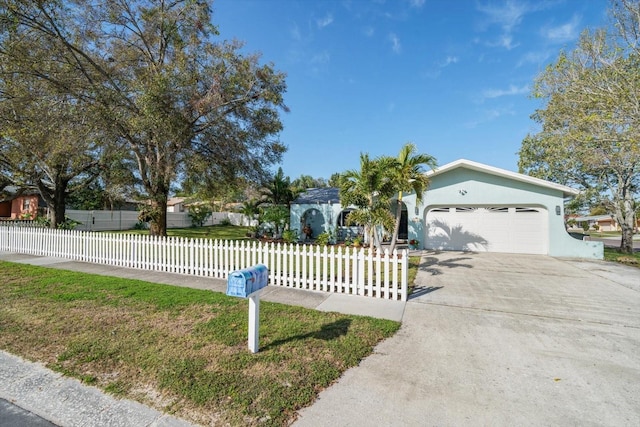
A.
pixel 465 187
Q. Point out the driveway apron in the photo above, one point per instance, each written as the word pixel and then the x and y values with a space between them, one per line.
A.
pixel 501 339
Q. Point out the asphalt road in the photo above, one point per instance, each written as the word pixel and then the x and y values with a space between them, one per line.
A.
pixel 14 416
pixel 613 242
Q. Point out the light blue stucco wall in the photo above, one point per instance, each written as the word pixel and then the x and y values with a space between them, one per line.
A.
pixel 329 212
pixel 468 187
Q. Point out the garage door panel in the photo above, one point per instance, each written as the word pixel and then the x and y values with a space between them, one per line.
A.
pixel 491 229
pixel 445 232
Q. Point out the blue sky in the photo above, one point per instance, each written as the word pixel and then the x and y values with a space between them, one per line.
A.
pixel 452 76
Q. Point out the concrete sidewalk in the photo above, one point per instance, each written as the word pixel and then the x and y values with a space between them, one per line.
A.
pixel 67 402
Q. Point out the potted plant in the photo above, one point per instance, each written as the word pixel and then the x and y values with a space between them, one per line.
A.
pixel 413 243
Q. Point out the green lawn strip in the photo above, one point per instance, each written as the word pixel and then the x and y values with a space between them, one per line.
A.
pixel 222 232
pixel 615 255
pixel 181 350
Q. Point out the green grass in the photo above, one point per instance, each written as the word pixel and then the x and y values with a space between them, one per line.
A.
pixel 183 351
pixel 222 232
pixel 414 265
pixel 614 255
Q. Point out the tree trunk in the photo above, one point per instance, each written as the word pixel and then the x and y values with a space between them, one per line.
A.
pixel 55 198
pixel 59 210
pixel 396 227
pixel 158 225
pixel 625 216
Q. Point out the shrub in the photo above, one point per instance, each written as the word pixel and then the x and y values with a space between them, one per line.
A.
pixel 226 222
pixel 67 224
pixel 141 225
pixel 323 239
pixel 199 214
pixel 290 236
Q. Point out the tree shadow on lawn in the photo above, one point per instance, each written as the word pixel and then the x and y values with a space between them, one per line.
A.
pixel 327 332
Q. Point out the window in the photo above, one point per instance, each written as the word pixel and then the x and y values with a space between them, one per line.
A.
pixel 26 204
pixel 526 210
pixel 342 218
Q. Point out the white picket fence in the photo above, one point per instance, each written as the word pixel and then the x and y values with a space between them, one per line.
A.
pixel 319 268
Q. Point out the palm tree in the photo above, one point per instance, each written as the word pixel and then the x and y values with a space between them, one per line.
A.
pixel 369 189
pixel 409 175
pixel 278 191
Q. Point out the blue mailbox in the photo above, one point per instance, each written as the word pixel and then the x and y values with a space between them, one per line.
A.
pixel 242 283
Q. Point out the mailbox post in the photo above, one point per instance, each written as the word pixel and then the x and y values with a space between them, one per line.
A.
pixel 247 283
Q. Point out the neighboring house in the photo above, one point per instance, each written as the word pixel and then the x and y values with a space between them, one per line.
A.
pixel 604 222
pixel 15 204
pixel 470 206
pixel 176 204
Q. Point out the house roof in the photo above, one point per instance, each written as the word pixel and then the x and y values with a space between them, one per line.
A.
pixel 172 201
pixel 12 192
pixel 318 195
pixel 594 218
pixel 480 167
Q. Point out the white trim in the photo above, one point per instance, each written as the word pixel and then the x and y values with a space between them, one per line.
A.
pixel 480 167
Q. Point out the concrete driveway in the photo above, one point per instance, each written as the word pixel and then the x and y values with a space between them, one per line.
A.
pixel 501 339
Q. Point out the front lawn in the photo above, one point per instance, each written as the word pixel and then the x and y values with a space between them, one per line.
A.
pixel 615 255
pixel 180 350
pixel 221 232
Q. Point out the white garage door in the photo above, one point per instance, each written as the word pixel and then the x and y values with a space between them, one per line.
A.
pixel 488 229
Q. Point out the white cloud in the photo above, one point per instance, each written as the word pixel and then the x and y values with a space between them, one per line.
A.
pixel 321 57
pixel 323 22
pixel 564 32
pixel 507 15
pixel 395 43
pixel 490 115
pixel 537 58
pixel 448 61
pixel 368 31
pixel 417 3
pixel 506 41
pixel 512 90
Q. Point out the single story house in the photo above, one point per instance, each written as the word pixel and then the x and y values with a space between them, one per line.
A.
pixel 176 204
pixel 603 222
pixel 469 206
pixel 16 204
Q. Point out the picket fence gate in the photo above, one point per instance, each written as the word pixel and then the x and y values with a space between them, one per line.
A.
pixel 338 269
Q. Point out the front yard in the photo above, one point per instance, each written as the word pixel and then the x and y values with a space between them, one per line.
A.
pixel 183 351
pixel 614 255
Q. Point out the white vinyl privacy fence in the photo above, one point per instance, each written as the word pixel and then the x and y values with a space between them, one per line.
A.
pixel 126 220
pixel 328 269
